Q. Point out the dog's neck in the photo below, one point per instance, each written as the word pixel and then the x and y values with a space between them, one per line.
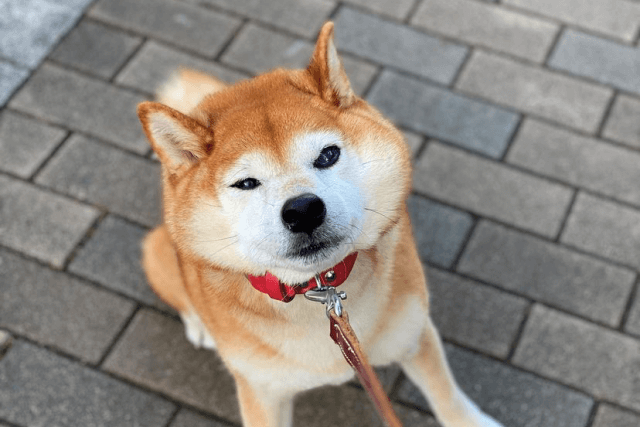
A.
pixel 334 276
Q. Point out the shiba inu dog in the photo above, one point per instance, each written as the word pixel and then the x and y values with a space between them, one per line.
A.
pixel 288 175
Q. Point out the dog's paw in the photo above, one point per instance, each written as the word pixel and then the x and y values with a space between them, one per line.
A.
pixel 196 332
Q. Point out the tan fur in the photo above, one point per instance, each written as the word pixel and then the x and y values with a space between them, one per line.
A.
pixel 197 261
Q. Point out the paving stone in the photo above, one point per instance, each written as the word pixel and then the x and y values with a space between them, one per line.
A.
pixel 96 49
pixel 490 189
pixel 197 29
pixel 623 124
pixel 548 273
pixel 439 113
pixel 40 388
pixel 301 17
pixel 603 362
pixel 188 418
pixel 602 60
pixel 610 416
pixel 632 324
pixel 513 397
pixel 488 25
pixel 121 182
pixel 348 406
pixel 617 18
pixel 5 342
pixel 30 28
pixel 10 78
pixel 439 230
pixel 154 64
pixel 398 9
pixel 604 228
pixel 473 314
pixel 73 100
pixel 398 46
pixel 57 310
pixel 258 50
pixel 155 353
pixel 40 224
pixel 112 258
pixel 25 143
pixel 534 90
pixel 388 375
pixel 577 160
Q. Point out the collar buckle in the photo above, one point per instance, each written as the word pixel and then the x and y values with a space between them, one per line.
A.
pixel 327 295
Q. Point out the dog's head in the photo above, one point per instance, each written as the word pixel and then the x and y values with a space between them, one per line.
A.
pixel 288 172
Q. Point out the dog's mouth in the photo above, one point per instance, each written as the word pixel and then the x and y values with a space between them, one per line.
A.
pixel 312 250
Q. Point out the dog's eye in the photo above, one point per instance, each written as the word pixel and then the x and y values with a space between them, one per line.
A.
pixel 247 184
pixel 328 156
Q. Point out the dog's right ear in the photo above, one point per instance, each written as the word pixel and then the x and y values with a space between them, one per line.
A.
pixel 177 139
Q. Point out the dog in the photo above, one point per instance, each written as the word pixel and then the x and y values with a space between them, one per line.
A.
pixel 288 174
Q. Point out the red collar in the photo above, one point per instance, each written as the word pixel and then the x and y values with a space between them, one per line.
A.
pixel 272 286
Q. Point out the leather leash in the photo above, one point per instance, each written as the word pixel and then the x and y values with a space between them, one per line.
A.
pixel 344 336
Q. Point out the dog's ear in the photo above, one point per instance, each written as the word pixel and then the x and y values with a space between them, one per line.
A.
pixel 326 69
pixel 177 139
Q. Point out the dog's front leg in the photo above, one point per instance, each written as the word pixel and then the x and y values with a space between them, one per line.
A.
pixel 429 370
pixel 263 406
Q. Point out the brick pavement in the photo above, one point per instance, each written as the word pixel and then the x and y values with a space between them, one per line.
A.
pixel 524 120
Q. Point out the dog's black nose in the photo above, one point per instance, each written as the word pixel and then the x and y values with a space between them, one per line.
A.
pixel 303 213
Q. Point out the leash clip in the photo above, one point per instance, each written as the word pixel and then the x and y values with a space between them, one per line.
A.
pixel 327 295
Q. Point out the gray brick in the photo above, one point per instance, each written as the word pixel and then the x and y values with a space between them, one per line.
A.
pixel 398 46
pixel 29 29
pixel 187 26
pixel 154 64
pixel 473 314
pixel 491 189
pixel 96 49
pixel 347 406
pixel 5 342
pixel 547 273
pixel 617 18
pixel 488 25
pixel 302 17
pixel 600 361
pixel 258 50
pixel 602 60
pixel 441 114
pixel 83 104
pixel 155 353
pixel 38 387
pixel 623 124
pixel 577 160
pixel 41 224
pixel 439 230
pixel 610 416
pixel 604 228
pixel 515 398
pixel 56 310
pixel 535 90
pixel 112 258
pixel 398 9
pixel 121 182
pixel 188 418
pixel 25 143
pixel 632 325
pixel 10 78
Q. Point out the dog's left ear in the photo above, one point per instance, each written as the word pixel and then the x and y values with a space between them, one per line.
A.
pixel 327 71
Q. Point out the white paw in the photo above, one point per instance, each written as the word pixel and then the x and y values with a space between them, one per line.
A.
pixel 196 332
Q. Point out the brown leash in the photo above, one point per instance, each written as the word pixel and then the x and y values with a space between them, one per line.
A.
pixel 343 335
